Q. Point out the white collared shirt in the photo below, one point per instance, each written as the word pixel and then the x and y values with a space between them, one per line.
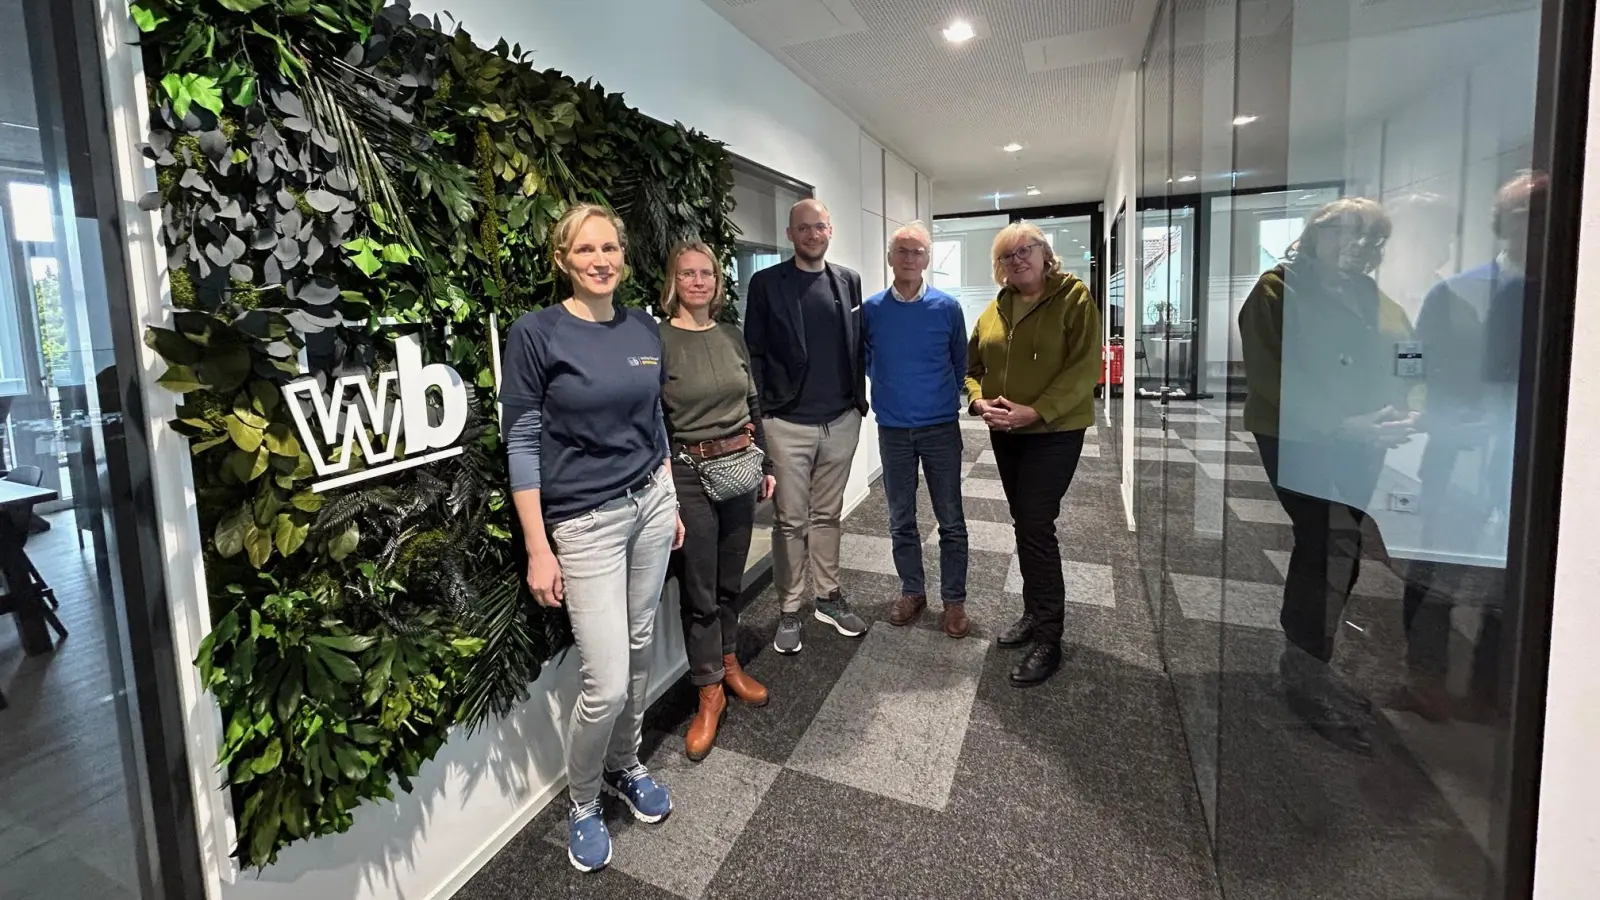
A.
pixel 921 292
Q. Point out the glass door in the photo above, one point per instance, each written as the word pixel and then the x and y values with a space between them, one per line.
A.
pixel 94 793
pixel 1147 330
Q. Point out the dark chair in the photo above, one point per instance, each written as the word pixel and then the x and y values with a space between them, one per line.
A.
pixel 32 476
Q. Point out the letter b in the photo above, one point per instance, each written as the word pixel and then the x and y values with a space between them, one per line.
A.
pixel 415 379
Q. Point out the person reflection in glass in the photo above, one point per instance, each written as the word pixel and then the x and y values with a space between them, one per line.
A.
pixel 1325 405
pixel 1470 329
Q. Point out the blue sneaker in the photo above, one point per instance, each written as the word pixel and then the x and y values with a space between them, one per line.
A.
pixel 646 797
pixel 588 840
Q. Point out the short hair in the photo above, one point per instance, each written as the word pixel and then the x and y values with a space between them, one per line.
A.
pixel 915 230
pixel 669 285
pixel 1015 235
pixel 564 233
pixel 1374 221
pixel 813 201
pixel 1516 197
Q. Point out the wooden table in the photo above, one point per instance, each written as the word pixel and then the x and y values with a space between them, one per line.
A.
pixel 26 605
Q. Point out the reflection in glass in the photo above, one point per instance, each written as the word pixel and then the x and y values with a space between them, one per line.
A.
pixel 1325 542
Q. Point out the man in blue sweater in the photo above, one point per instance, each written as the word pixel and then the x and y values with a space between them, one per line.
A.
pixel 916 346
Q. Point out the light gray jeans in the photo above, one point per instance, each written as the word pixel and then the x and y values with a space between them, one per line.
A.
pixel 613 564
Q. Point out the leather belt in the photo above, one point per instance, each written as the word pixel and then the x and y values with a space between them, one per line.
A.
pixel 721 446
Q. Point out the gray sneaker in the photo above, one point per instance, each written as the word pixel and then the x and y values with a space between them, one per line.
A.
pixel 789 632
pixel 836 611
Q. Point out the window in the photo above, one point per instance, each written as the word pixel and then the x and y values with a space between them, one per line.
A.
pixel 945 272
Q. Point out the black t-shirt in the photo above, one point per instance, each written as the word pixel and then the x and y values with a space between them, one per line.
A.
pixel 825 394
pixel 597 387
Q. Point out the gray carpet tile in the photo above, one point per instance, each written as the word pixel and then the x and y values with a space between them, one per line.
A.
pixel 531 867
pixel 712 802
pixel 895 721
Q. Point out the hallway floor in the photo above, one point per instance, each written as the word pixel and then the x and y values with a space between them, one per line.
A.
pixel 903 763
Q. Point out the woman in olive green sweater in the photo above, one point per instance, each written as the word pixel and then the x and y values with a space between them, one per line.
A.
pixel 1032 366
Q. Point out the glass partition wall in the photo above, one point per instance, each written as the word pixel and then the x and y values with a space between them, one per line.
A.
pixel 1340 221
pixel 95 799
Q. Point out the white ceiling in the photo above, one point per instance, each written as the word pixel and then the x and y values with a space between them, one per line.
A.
pixel 1043 73
pixel 1046 74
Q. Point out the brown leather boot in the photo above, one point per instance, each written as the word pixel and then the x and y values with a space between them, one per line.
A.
pixel 739 681
pixel 907 609
pixel 954 620
pixel 703 730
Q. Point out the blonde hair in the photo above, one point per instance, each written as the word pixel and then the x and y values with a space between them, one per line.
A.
pixel 1015 235
pixel 564 233
pixel 1375 226
pixel 669 284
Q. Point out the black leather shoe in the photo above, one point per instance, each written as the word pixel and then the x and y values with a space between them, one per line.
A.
pixel 1020 633
pixel 1041 661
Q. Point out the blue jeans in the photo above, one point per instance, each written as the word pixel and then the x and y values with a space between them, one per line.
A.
pixel 938 449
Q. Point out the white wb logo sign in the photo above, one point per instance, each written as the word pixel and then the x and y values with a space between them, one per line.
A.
pixel 401 421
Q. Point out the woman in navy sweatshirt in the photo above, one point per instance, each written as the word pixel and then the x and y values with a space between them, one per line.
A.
pixel 592 484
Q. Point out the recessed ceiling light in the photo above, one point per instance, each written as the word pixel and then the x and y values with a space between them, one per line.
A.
pixel 1245 119
pixel 1186 178
pixel 1012 147
pixel 959 32
pixel 1169 181
pixel 1034 192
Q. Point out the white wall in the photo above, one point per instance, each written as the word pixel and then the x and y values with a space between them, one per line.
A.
pixel 1567 857
pixel 675 60
pixel 1122 189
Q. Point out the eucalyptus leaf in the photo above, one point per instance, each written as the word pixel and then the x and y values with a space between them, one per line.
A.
pixel 319 291
pixel 213 144
pixel 322 201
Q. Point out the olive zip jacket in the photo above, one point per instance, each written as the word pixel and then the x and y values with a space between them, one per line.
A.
pixel 1047 357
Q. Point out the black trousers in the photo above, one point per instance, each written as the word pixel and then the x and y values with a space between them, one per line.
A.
pixel 1036 470
pixel 1326 560
pixel 710 571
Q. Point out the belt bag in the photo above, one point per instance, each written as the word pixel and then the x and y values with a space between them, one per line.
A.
pixel 728 476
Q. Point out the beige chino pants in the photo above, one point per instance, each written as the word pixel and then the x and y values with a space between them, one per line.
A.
pixel 811 464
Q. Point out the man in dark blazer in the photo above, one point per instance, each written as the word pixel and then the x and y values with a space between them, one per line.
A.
pixel 803 328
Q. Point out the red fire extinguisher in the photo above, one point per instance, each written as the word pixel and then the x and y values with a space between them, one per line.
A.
pixel 1111 355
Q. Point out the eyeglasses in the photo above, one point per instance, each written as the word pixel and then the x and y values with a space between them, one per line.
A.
pixel 696 274
pixel 910 252
pixel 1020 254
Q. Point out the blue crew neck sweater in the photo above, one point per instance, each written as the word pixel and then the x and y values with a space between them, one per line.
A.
pixel 916 357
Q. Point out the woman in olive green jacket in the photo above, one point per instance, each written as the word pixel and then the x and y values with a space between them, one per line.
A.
pixel 1032 366
pixel 1326 403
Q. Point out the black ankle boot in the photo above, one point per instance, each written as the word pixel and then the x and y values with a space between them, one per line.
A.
pixel 1020 633
pixel 1040 662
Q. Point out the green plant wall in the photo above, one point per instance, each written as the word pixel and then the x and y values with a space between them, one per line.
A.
pixel 332 174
